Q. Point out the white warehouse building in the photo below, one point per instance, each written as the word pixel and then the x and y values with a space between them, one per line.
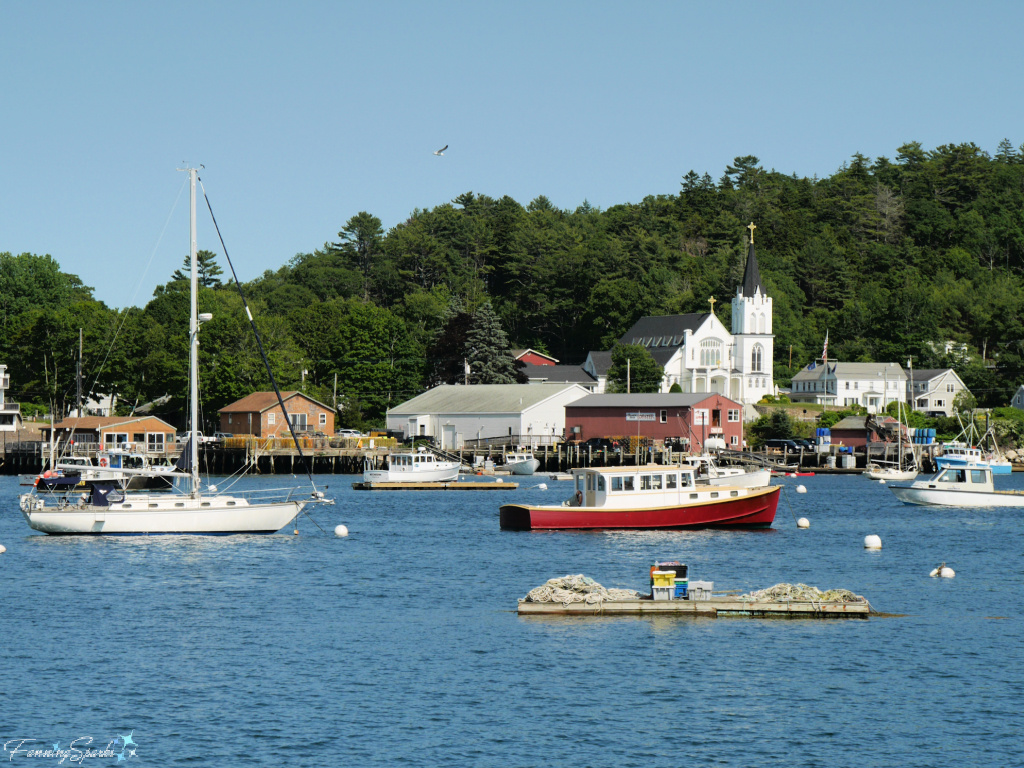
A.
pixel 453 414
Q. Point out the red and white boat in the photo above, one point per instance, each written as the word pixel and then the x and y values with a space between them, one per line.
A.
pixel 651 496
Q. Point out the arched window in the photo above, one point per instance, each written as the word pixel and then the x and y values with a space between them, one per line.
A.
pixel 756 357
pixel 710 353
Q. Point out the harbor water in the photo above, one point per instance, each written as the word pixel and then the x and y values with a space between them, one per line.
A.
pixel 400 645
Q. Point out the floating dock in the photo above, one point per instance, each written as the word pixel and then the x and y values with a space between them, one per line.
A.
pixel 716 606
pixel 454 485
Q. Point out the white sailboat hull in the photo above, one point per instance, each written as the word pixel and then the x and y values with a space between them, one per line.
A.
pixel 523 466
pixel 755 478
pixel 214 515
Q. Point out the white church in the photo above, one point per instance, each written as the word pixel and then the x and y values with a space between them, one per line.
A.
pixel 700 354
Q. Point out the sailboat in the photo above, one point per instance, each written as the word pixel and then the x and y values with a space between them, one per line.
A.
pixel 103 508
pixel 900 471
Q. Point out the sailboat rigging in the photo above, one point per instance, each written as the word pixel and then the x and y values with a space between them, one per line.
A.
pixel 105 509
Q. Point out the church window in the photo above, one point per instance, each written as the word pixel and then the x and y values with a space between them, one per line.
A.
pixel 756 356
pixel 710 352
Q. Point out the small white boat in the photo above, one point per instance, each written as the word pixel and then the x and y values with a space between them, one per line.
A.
pixel 708 472
pixel 889 473
pixel 420 466
pixel 521 463
pixel 968 486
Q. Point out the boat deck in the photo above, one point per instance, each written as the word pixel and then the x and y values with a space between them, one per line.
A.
pixel 454 485
pixel 716 606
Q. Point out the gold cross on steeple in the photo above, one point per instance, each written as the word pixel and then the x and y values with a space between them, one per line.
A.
pixel 712 302
pixel 752 227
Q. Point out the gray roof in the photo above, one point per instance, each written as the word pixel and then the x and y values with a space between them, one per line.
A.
pixel 852 371
pixel 481 398
pixel 852 422
pixel 663 330
pixel 602 360
pixel 558 373
pixel 751 274
pixel 927 374
pixel 645 400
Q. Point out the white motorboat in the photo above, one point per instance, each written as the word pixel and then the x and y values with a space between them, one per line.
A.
pixel 419 466
pixel 708 472
pixel 967 486
pixel 102 508
pixel 521 463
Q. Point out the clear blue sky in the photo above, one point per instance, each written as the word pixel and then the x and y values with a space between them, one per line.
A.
pixel 306 113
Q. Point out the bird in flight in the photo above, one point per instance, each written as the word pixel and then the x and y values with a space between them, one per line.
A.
pixel 440 151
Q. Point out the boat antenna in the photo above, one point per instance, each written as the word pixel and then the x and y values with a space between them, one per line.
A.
pixel 259 343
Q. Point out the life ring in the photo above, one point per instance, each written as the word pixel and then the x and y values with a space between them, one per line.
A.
pixel 103 461
pixel 579 498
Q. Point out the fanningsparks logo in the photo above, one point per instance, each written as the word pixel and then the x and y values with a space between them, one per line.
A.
pixel 120 748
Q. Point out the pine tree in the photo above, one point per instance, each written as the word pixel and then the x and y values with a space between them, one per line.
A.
pixel 206 265
pixel 487 350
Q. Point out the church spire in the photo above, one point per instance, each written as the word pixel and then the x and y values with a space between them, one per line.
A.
pixel 752 275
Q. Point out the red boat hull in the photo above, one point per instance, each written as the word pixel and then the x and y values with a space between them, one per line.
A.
pixel 755 510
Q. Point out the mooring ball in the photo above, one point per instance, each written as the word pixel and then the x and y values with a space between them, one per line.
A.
pixel 498 480
pixel 872 542
pixel 934 573
pixel 2 549
pixel 801 489
pixel 947 573
pixel 881 481
pixel 803 522
pixel 543 486
pixel 340 530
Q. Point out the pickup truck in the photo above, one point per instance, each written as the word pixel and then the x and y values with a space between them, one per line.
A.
pixel 182 438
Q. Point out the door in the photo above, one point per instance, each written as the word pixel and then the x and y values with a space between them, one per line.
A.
pixel 448 437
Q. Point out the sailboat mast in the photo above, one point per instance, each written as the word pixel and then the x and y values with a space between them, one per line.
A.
pixel 193 328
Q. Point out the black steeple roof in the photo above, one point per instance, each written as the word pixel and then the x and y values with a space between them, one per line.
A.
pixel 752 275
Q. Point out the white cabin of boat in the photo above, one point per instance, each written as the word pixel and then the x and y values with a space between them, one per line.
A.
pixel 644 487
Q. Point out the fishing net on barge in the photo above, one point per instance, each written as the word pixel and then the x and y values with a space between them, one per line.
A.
pixel 577 589
pixel 803 592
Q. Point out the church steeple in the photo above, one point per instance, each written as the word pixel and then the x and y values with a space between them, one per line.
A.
pixel 751 275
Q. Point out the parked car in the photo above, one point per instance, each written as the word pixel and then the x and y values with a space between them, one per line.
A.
pixel 348 433
pixel 218 436
pixel 182 437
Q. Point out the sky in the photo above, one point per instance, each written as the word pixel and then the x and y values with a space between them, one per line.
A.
pixel 307 113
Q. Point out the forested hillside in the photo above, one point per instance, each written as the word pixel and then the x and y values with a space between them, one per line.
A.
pixel 894 258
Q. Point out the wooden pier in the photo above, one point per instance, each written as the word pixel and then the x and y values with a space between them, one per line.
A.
pixel 716 606
pixel 454 485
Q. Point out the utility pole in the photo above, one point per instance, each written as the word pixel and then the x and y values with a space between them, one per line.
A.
pixel 79 376
pixel 628 370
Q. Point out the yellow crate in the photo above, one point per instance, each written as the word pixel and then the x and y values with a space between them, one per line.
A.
pixel 664 578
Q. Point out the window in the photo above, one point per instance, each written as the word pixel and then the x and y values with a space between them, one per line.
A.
pixel 138 437
pixel 716 417
pixel 298 420
pixel 670 480
pixel 627 483
pixel 155 441
pixel 977 476
pixel 847 385
pixel 856 385
pixel 229 418
pixel 710 353
pixel 271 418
pixel 656 482
pixel 323 419
pixel 734 440
pixel 734 414
pixel 664 416
pixel 645 482
pixel 939 404
pixel 115 438
pixel 756 356
pixel 616 484
pixel 949 387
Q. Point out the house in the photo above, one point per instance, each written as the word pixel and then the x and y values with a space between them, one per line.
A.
pixel 851 431
pixel 871 385
pixel 932 391
pixel 140 433
pixel 1018 398
pixel 533 357
pixel 10 413
pixel 260 414
pixel 455 414
pixel 560 374
pixel 700 354
pixel 694 417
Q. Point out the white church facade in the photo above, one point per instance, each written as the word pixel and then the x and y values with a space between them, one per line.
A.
pixel 700 354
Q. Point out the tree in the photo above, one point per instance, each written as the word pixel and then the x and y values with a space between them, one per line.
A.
pixel 207 267
pixel 634 361
pixel 360 241
pixel 487 351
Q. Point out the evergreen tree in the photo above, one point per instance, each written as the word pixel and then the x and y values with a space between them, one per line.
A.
pixel 645 375
pixel 487 351
pixel 206 265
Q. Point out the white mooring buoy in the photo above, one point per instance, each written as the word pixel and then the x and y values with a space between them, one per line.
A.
pixel 803 522
pixel 801 489
pixel 2 549
pixel 872 542
pixel 881 481
pixel 340 530
pixel 943 571
pixel 543 486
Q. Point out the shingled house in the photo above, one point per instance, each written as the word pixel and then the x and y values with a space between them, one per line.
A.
pixel 260 414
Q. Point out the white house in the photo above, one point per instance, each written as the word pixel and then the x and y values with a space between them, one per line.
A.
pixel 10 413
pixel 530 414
pixel 1018 398
pixel 871 385
pixel 932 391
pixel 701 354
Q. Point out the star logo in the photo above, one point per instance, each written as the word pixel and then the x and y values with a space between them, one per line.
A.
pixel 56 747
pixel 128 739
pixel 120 756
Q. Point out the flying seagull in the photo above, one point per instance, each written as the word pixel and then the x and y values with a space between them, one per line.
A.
pixel 440 151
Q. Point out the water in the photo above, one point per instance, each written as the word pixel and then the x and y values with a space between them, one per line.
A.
pixel 399 645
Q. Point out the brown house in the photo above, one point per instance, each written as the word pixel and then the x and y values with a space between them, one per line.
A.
pixel 260 414
pixel 143 433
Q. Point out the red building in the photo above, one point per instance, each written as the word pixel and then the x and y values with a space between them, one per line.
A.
pixel 694 417
pixel 533 357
